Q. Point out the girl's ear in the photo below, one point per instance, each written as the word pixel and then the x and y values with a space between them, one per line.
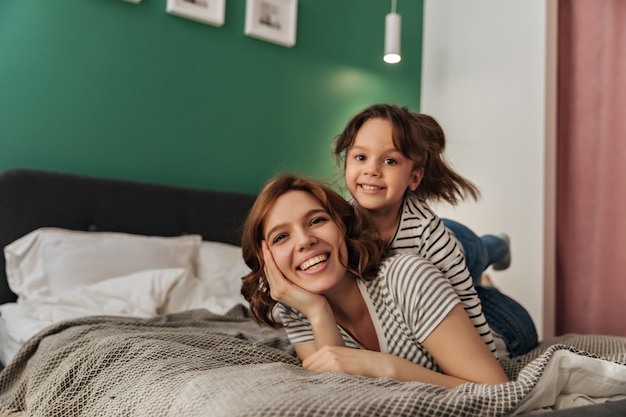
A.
pixel 416 178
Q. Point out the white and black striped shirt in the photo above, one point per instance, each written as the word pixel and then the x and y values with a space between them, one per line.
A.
pixel 407 300
pixel 420 231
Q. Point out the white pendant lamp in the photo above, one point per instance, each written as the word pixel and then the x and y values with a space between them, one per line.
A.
pixel 393 25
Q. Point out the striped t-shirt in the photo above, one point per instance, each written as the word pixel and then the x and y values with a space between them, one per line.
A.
pixel 407 300
pixel 420 231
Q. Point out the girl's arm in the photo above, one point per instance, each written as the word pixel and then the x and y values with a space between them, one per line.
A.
pixel 439 241
pixel 455 345
pixel 315 307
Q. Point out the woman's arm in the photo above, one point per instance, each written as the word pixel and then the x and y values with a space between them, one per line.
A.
pixel 325 332
pixel 374 364
pixel 314 307
pixel 455 345
pixel 460 351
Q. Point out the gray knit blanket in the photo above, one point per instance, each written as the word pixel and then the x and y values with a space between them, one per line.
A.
pixel 201 364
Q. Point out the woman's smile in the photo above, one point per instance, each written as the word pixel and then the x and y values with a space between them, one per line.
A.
pixel 315 263
pixel 305 242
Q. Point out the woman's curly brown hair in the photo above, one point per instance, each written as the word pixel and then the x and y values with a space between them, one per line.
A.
pixel 365 248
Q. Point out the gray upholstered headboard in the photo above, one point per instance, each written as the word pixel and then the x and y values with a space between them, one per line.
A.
pixel 30 199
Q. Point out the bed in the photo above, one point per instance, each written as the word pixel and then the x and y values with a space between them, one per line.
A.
pixel 121 298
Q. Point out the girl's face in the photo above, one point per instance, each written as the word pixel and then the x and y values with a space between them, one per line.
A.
pixel 306 244
pixel 377 174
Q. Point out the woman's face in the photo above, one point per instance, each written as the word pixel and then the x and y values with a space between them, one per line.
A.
pixel 306 244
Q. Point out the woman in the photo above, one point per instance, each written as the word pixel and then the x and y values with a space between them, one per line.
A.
pixel 345 304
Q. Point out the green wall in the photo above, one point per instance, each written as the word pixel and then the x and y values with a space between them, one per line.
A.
pixel 123 90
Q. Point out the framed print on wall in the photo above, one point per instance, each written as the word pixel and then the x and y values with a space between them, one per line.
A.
pixel 210 12
pixel 272 20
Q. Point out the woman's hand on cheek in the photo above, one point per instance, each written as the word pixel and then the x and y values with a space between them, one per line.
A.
pixel 285 291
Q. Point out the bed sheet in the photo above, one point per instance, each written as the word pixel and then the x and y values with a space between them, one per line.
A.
pixel 184 364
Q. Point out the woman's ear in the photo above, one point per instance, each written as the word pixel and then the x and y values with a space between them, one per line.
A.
pixel 416 178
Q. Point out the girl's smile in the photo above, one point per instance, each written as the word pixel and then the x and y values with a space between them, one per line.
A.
pixel 371 189
pixel 377 173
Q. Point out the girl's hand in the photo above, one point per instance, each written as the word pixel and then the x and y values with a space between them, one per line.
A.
pixel 285 291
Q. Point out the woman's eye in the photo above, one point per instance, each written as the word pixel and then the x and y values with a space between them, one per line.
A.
pixel 319 220
pixel 390 161
pixel 279 237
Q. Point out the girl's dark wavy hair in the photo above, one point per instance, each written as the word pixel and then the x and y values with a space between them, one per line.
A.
pixel 365 248
pixel 421 139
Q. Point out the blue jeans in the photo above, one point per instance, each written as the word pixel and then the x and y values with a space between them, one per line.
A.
pixel 504 315
pixel 509 319
pixel 480 252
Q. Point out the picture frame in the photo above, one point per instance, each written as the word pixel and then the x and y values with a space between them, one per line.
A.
pixel 272 20
pixel 210 12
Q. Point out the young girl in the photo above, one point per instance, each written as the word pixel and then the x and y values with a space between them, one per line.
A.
pixel 393 163
pixel 345 305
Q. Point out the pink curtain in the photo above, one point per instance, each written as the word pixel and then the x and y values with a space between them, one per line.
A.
pixel 591 167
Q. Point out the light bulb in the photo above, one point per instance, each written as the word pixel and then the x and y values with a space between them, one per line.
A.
pixel 393 25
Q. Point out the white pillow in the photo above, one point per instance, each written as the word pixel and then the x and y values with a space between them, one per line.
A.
pixel 220 267
pixel 49 261
pixel 141 294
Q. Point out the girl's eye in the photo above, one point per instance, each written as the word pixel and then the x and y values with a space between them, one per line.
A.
pixel 390 161
pixel 360 157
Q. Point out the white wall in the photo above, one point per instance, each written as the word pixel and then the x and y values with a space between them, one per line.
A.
pixel 484 79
